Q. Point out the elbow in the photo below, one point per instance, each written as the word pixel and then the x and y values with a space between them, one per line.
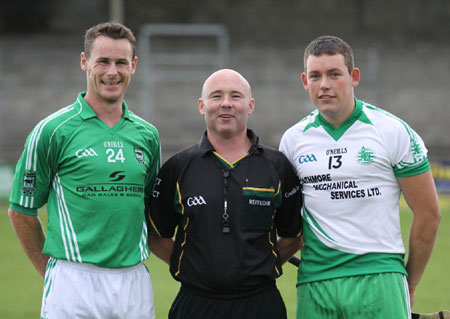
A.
pixel 155 244
pixel 437 219
pixel 151 242
pixel 297 244
pixel 432 215
pixel 433 221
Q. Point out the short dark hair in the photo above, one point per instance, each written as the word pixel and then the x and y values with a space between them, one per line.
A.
pixel 330 45
pixel 113 30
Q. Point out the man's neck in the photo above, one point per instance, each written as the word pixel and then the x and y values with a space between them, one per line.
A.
pixel 110 113
pixel 339 117
pixel 231 148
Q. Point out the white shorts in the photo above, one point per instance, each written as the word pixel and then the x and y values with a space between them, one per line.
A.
pixel 73 290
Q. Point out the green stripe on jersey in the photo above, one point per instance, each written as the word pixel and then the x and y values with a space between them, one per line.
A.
pixel 320 262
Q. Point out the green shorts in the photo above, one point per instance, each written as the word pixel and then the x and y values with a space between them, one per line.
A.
pixel 380 296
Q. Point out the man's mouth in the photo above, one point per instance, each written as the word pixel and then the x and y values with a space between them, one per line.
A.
pixel 326 96
pixel 111 82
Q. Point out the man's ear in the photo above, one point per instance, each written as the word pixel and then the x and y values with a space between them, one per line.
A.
pixel 83 61
pixel 201 106
pixel 251 106
pixel 304 79
pixel 356 73
pixel 133 64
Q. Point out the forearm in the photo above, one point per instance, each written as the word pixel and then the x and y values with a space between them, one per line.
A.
pixel 420 194
pixel 161 247
pixel 31 236
pixel 288 246
pixel 421 241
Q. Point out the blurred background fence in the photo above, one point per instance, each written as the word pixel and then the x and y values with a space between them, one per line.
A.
pixel 401 47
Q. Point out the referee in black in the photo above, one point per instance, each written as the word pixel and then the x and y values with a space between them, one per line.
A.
pixel 235 206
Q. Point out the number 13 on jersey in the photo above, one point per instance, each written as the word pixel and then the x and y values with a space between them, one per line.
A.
pixel 335 161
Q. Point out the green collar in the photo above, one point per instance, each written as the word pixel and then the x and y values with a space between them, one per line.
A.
pixel 87 112
pixel 337 132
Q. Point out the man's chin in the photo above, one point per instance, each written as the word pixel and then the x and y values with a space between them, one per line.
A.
pixel 231 132
pixel 111 99
pixel 327 107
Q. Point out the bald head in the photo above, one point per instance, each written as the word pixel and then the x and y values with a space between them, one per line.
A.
pixel 225 77
pixel 226 103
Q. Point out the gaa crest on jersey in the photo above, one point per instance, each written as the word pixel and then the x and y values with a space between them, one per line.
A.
pixel 365 156
pixel 84 152
pixel 139 153
pixel 305 158
pixel 195 201
pixel 29 181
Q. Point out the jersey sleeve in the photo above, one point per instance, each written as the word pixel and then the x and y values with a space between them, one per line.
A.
pixel 288 219
pixel 34 172
pixel 154 167
pixel 284 146
pixel 408 152
pixel 162 216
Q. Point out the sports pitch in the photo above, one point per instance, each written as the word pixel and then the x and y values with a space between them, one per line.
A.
pixel 21 286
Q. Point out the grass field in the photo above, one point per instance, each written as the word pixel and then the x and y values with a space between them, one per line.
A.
pixel 21 286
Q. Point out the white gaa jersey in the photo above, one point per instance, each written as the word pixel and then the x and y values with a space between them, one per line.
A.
pixel 350 188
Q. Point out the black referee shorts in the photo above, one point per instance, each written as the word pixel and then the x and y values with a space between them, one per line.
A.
pixel 267 304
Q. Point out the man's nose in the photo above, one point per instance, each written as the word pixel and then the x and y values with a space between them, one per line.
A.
pixel 324 83
pixel 112 69
pixel 226 102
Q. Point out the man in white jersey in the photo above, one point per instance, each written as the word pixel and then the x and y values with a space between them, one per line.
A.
pixel 354 160
pixel 93 163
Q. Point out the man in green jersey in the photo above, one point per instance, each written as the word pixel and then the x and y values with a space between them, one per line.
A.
pixel 354 160
pixel 93 163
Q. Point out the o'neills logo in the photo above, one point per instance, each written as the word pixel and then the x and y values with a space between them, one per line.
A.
pixel 259 202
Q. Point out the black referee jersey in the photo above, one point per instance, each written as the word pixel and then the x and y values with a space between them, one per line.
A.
pixel 227 215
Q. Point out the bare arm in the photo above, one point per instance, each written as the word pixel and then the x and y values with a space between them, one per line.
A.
pixel 31 236
pixel 420 194
pixel 161 247
pixel 289 246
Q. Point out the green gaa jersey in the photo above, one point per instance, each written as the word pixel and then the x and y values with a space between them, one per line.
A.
pixel 95 181
pixel 351 193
